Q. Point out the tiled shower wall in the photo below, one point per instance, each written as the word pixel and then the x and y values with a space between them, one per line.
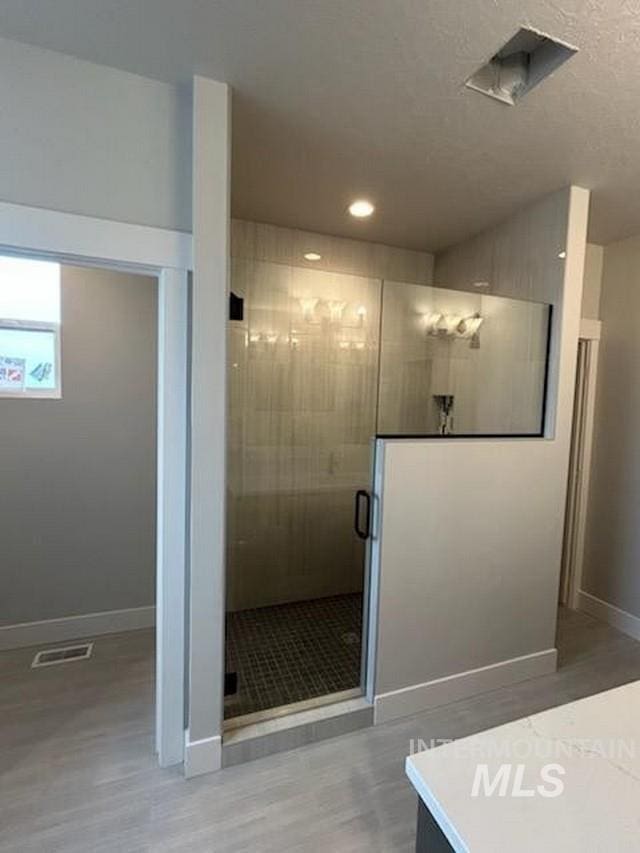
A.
pixel 496 380
pixel 256 241
pixel 302 408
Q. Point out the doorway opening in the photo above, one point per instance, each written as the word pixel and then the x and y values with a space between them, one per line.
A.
pixel 78 415
pixel 85 246
pixel 579 468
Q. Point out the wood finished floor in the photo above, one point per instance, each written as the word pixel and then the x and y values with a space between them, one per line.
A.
pixel 78 773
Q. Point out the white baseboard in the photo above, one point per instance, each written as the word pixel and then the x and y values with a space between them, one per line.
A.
pixel 609 613
pixel 75 627
pixel 202 756
pixel 442 691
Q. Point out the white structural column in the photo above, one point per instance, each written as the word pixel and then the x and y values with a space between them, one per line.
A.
pixel 172 513
pixel 564 345
pixel 211 132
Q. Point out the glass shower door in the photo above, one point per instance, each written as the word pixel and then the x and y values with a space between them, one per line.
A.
pixel 458 363
pixel 303 390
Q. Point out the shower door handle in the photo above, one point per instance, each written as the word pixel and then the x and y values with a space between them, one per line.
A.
pixel 362 495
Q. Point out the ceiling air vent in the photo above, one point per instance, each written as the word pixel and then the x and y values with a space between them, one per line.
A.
pixel 524 61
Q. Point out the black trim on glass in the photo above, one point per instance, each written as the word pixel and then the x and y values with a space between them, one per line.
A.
pixel 545 388
pixel 439 437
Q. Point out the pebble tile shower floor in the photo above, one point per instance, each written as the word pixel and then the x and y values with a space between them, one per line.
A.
pixel 291 652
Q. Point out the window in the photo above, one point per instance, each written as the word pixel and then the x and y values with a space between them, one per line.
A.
pixel 29 328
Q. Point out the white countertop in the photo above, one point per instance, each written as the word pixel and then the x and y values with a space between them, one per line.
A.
pixel 598 809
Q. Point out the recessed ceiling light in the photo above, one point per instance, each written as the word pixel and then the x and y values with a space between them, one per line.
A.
pixel 361 208
pixel 562 255
pixel 312 256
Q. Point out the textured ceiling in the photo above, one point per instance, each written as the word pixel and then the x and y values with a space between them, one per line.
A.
pixel 340 98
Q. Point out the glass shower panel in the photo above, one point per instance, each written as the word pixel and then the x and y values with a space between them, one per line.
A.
pixel 302 412
pixel 458 363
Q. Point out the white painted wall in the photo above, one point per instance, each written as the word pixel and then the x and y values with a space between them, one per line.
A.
pixel 84 138
pixel 469 535
pixel 612 549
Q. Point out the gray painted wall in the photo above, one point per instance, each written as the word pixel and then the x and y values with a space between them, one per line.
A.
pixel 84 138
pixel 612 549
pixel 77 524
pixel 469 539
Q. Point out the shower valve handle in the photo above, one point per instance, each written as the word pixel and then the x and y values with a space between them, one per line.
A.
pixel 362 495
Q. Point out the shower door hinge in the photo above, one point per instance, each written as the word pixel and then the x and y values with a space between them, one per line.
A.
pixel 230 683
pixel 236 307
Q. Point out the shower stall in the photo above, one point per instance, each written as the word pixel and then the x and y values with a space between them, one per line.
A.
pixel 320 364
